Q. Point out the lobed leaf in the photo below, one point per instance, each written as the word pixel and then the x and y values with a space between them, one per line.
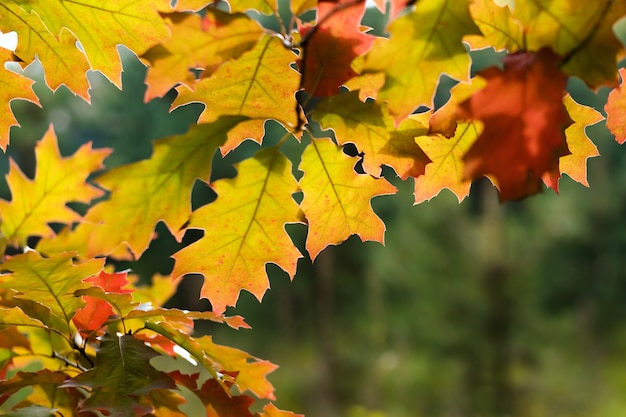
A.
pixel 35 203
pixel 336 199
pixel 614 107
pixel 259 85
pixel 244 229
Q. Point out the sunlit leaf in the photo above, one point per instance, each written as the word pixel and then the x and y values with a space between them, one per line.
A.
pixel 337 199
pixel 615 110
pixel 244 229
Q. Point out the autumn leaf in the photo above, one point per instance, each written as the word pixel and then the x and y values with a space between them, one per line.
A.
pixel 336 199
pixel 270 410
pixel 330 47
pixel 51 282
pixel 261 6
pixel 424 44
pixel 300 6
pixel 22 379
pixel 369 126
pixel 524 122
pixel 582 31
pixel 97 309
pixel 198 43
pixel 146 192
pixel 615 114
pixel 16 317
pixel 12 85
pixel 244 229
pixel 121 376
pixel 219 403
pixel 35 203
pixel 63 62
pixel 580 146
pixel 260 85
pixel 99 27
pixel 498 26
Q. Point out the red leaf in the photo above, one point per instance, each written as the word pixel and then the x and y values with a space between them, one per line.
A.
pixel 330 47
pixel 524 123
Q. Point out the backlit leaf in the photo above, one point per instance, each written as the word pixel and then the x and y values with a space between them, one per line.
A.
pixel 500 29
pixel 63 62
pixel 583 30
pixel 52 282
pixel 244 229
pixel 21 379
pixel 12 85
pixel 261 6
pixel 337 199
pixel 270 410
pixel 199 43
pixel 580 146
pixel 446 169
pixel 259 85
pixel 424 43
pixel 615 110
pixel 16 317
pixel 100 26
pixel 121 376
pixel 369 126
pixel 330 47
pixel 58 180
pixel 524 122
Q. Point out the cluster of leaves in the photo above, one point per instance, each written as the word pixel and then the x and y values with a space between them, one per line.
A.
pixel 329 84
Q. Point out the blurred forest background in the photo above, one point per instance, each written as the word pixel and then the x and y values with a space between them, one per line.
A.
pixel 478 309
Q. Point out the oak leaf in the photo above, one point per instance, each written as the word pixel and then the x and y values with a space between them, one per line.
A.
pixel 12 86
pixel 49 282
pixel 100 26
pixel 424 43
pixel 524 121
pixel 58 180
pixel 336 199
pixel 244 229
pixel 330 47
pixel 579 144
pixel 198 43
pixel 260 85
pixel 369 126
pixel 582 31
pixel 615 110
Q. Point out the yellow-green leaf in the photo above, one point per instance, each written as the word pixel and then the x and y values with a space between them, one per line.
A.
pixel 50 282
pixel 202 43
pixel 500 29
pixel 100 26
pixel 337 199
pixel 244 229
pixel 260 85
pixel 447 167
pixel 58 180
pixel 424 43
pixel 148 191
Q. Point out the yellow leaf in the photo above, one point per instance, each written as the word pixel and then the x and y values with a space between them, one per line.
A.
pixel 145 192
pixel 12 85
pixel 100 26
pixel 424 43
pixel 580 146
pixel 202 43
pixel 337 199
pixel 370 128
pixel 260 85
pixel 261 6
pixel 446 170
pixel 582 28
pixel 63 62
pixel 244 229
pixel 500 29
pixel 58 180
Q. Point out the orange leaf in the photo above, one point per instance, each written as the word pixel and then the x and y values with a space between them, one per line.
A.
pixel 331 46
pixel 616 110
pixel 12 85
pixel 580 146
pixel 244 229
pixel 270 410
pixel 524 122
pixel 58 180
pixel 202 43
pixel 260 85
pixel 337 199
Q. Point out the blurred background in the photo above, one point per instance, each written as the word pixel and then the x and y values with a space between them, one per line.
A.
pixel 477 309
